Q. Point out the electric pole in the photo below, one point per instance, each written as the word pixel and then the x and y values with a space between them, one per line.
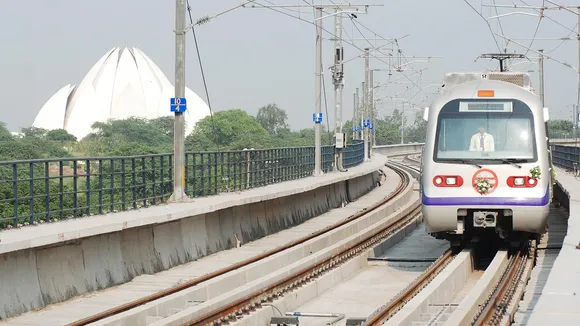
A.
pixel 361 111
pixel 578 99
pixel 354 114
pixel 179 123
pixel 367 105
pixel 338 80
pixel 317 95
pixel 575 120
pixel 403 124
pixel 541 75
pixel 372 109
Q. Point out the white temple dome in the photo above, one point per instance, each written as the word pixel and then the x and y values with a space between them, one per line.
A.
pixel 123 83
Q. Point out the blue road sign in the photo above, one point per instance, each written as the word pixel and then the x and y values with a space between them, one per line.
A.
pixel 178 104
pixel 317 119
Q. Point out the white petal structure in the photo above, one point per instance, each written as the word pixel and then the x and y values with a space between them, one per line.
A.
pixel 123 83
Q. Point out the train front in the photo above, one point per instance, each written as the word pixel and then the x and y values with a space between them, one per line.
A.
pixel 485 163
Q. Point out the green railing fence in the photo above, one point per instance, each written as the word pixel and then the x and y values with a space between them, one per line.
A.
pixel 48 190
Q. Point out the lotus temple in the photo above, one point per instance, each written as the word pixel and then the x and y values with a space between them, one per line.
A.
pixel 123 83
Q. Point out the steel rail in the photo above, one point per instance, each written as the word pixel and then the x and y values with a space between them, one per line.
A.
pixel 500 294
pixel 403 183
pixel 410 291
pixel 270 292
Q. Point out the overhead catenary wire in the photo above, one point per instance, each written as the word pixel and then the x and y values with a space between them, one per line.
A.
pixel 405 76
pixel 203 76
pixel 563 41
pixel 545 56
pixel 549 18
pixel 499 23
pixel 312 23
pixel 204 19
pixel 537 28
pixel 487 22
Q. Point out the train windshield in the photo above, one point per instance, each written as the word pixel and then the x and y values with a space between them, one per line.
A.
pixel 485 131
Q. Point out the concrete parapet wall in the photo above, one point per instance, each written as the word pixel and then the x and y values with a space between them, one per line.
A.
pixel 562 195
pixel 34 277
pixel 389 150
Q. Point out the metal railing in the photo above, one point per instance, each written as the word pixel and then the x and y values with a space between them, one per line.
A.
pixel 46 190
pixel 353 154
pixel 567 157
pixel 561 135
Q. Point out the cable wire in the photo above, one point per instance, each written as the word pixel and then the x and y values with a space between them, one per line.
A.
pixel 537 28
pixel 313 23
pixel 499 23
pixel 203 76
pixel 563 41
pixel 487 22
pixel 549 18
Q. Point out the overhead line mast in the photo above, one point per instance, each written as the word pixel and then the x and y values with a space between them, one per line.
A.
pixel 338 73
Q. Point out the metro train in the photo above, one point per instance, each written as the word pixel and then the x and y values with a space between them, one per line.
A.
pixel 485 167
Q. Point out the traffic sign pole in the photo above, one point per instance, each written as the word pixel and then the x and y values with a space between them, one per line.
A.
pixel 179 123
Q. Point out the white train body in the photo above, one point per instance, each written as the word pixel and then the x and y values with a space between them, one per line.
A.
pixel 453 163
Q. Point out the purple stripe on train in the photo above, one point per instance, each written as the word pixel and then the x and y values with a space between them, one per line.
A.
pixel 486 201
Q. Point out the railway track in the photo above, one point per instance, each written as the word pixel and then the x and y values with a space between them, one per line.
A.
pixel 492 300
pixel 234 305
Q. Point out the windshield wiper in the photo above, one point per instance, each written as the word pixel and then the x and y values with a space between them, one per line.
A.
pixel 470 162
pixel 512 162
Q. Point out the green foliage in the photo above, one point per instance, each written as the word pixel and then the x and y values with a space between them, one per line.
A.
pixel 227 130
pixel 60 135
pixel 273 119
pixel 560 129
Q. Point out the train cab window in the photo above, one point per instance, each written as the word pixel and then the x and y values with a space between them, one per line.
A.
pixel 485 133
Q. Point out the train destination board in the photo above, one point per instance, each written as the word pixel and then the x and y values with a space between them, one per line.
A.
pixel 478 106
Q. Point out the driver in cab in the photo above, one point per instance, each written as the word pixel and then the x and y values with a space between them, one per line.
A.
pixel 482 142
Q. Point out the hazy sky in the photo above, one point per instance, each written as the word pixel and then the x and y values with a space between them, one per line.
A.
pixel 253 57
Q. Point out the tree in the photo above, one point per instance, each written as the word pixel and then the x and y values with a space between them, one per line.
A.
pixel 60 135
pixel 560 128
pixel 230 127
pixel 418 131
pixel 4 132
pixel 272 118
pixel 34 132
pixel 108 138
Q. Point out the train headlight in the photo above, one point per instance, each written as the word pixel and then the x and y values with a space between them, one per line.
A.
pixel 448 181
pixel 519 181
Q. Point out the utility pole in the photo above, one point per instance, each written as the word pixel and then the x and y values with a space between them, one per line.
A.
pixel 541 75
pixel 575 121
pixel 578 99
pixel 338 80
pixel 403 124
pixel 367 104
pixel 361 111
pixel 354 113
pixel 372 109
pixel 179 123
pixel 317 95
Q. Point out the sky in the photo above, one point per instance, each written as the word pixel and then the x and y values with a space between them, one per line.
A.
pixel 255 56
